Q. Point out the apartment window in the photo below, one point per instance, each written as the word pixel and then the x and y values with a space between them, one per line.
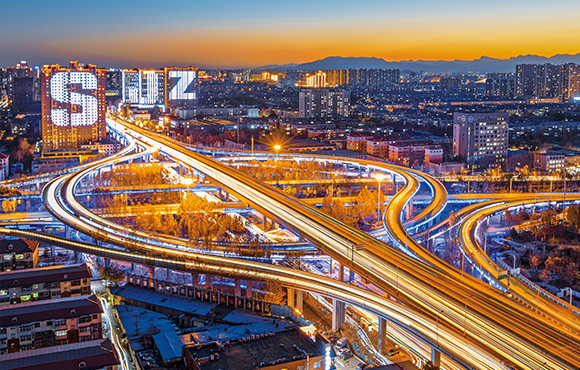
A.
pixel 26 328
pixel 60 323
pixel 26 338
pixel 75 283
pixel 55 293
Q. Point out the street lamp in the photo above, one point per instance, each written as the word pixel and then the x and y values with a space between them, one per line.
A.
pixel 380 177
pixel 277 148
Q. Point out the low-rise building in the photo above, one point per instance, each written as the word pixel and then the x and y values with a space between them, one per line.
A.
pixel 549 161
pixel 96 354
pixel 358 141
pixel 44 283
pixel 4 167
pixel 18 254
pixel 31 325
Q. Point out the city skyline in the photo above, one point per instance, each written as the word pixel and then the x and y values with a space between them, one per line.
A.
pixel 230 35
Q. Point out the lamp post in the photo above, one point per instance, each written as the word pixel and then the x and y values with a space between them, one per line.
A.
pixel 277 148
pixel 380 177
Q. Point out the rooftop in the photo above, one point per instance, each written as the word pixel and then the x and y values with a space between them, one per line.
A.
pixel 290 345
pixel 61 308
pixel 18 246
pixel 95 354
pixel 43 275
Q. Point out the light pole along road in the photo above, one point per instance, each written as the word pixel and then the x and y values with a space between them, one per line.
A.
pixel 422 288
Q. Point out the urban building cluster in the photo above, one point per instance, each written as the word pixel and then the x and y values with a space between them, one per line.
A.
pixel 48 315
pixel 549 82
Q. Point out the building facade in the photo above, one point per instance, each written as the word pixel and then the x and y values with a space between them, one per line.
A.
pixel 181 87
pixel 73 105
pixel 481 138
pixel 18 254
pixel 321 103
pixel 549 161
pixel 31 325
pixel 44 283
pixel 4 166
pixel 500 85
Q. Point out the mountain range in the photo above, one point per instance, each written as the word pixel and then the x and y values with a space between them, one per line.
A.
pixel 481 65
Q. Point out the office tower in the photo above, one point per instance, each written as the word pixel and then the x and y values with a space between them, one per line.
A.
pixel 500 85
pixel 181 87
pixel 319 103
pixel 481 138
pixel 73 105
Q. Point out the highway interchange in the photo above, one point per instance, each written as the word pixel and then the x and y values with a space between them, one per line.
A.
pixel 470 321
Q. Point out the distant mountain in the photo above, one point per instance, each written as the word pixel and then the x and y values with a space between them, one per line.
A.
pixel 481 65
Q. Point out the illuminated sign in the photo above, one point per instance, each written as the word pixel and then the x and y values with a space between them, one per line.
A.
pixel 143 88
pixel 577 98
pixel 181 86
pixel 79 108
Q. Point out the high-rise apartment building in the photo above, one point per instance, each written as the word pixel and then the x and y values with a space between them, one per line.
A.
pixel 320 103
pixel 73 105
pixel 500 85
pixel 571 81
pixel 181 87
pixel 539 80
pixel 143 88
pixel 481 138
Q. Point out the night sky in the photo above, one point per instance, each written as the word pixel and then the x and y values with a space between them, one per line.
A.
pixel 252 33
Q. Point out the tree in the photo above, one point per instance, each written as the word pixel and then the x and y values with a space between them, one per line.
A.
pixel 535 260
pixel 8 205
pixel 112 274
pixel 573 215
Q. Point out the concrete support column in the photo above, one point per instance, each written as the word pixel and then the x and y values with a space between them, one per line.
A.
pixel 78 257
pixel 337 314
pixel 194 278
pixel 340 272
pixel 133 267
pixel 382 335
pixel 351 275
pixel 265 223
pixel 435 358
pixel 168 274
pixel 249 288
pixel 291 301
pixel 52 251
pixel 67 232
pixel 238 289
pixel 151 272
pixel 208 279
pixel 300 300
pixel 107 262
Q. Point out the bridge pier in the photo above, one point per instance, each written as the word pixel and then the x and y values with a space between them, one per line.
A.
pixel 107 262
pixel 208 279
pixel 299 300
pixel 151 272
pixel 350 275
pixel 435 358
pixel 168 274
pixel 338 312
pixel 52 251
pixel 78 257
pixel 291 302
pixel 340 272
pixel 67 232
pixel 383 327
pixel 194 278
pixel 249 286
pixel 238 287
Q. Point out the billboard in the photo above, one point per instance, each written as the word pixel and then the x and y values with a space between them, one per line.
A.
pixel 73 105
pixel 181 87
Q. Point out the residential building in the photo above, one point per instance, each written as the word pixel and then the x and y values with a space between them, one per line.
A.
pixel 18 254
pixel 181 87
pixel 142 88
pixel 540 80
pixel 320 103
pixel 357 141
pixel 571 83
pixel 4 166
pixel 104 148
pixel 44 283
pixel 481 138
pixel 412 153
pixel 549 161
pixel 98 354
pixel 31 325
pixel 500 85
pixel 73 105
